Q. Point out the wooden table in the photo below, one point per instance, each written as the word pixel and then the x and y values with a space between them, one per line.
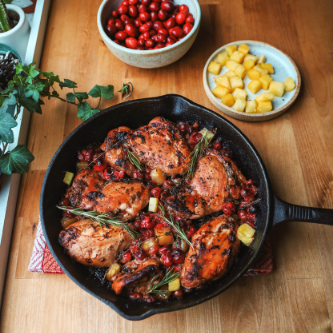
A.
pixel 297 149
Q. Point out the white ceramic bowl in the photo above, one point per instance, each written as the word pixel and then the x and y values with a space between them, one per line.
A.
pixel 284 67
pixel 150 58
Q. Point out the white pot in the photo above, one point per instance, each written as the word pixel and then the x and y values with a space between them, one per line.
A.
pixel 17 37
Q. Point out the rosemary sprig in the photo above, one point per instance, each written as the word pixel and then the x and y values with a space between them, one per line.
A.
pixel 169 276
pixel 198 151
pixel 102 219
pixel 175 225
pixel 134 160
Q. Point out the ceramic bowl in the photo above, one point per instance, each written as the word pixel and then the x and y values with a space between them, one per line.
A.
pixel 150 58
pixel 284 67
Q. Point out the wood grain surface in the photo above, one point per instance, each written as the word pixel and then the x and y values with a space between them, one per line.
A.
pixel 297 149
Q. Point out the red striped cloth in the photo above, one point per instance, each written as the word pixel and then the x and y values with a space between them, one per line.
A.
pixel 42 260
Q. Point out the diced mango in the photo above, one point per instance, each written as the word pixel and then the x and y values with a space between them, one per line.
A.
pixel 277 88
pixel 240 71
pixel 112 271
pixel 244 49
pixel 164 236
pixel 214 67
pixel 261 59
pixel 157 176
pixel 253 74
pixel 236 82
pixel 251 106
pixel 245 234
pixel 231 49
pixel 240 94
pixel 248 64
pixel 229 74
pixel 231 65
pixel 265 81
pixel 264 106
pixel 228 100
pixel 289 84
pixel 153 205
pixel 254 86
pixel 267 96
pixel 251 57
pixel 222 81
pixel 174 285
pixel 239 105
pixel 219 91
pixel 261 70
pixel 238 57
pixel 269 67
pixel 222 58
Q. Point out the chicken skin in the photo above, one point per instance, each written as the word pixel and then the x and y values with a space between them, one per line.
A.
pixel 89 244
pixel 89 191
pixel 209 188
pixel 215 249
pixel 137 275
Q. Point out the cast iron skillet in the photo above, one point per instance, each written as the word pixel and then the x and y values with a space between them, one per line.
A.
pixel 137 113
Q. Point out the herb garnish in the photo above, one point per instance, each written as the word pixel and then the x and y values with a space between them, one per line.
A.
pixel 102 219
pixel 169 276
pixel 134 159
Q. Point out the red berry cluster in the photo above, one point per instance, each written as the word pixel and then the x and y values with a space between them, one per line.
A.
pixel 149 24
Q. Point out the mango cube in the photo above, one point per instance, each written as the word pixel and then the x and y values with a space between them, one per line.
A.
pixel 174 285
pixel 222 58
pixel 240 94
pixel 244 49
pixel 222 81
pixel 251 106
pixel 229 74
pixel 264 106
pixel 289 84
pixel 240 105
pixel 228 100
pixel 245 234
pixel 214 67
pixel 251 57
pixel 261 70
pixel 261 59
pixel 238 57
pixel 231 49
pixel 248 64
pixel 240 71
pixel 267 96
pixel 254 86
pixel 269 68
pixel 265 81
pixel 236 82
pixel 277 88
pixel 231 65
pixel 253 74
pixel 220 91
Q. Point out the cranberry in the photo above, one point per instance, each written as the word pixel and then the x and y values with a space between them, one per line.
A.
pixel 180 18
pixel 119 174
pixel 111 21
pixel 129 21
pixel 154 16
pixel 125 3
pixel 252 217
pixel 100 165
pixel 161 38
pixel 178 256
pixel 156 192
pixel 64 202
pixel 170 23
pixel 126 257
pixel 152 33
pixel 137 174
pixel 242 214
pixel 159 46
pixel 147 223
pixel 177 32
pixel 115 14
pixel 149 299
pixel 250 223
pixel 133 2
pixel 120 25
pixel 154 7
pixel 116 41
pixel 131 30
pixel 111 30
pixel 187 28
pixel 145 27
pixel 122 9
pixel 121 35
pixel 135 296
pixel 167 184
pixel 80 156
pixel 162 15
pixel 144 16
pixel 228 208
pixel 153 251
pixel 141 42
pixel 217 145
pixel 146 2
pixel 190 19
pixel 124 17
pixel 178 294
pixel 190 231
pixel 183 127
pixel 163 32
pixel 183 8
pixel 164 250
pixel 158 25
pixel 249 182
pixel 137 224
pixel 150 24
pixel 149 43
pixel 107 173
pixel 167 6
pixel 195 137
pixel 138 23
pixel 67 213
pixel 147 233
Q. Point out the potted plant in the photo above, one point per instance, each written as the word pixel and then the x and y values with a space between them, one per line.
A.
pixel 14 27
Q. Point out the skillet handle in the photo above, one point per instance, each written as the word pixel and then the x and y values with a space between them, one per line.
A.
pixel 284 211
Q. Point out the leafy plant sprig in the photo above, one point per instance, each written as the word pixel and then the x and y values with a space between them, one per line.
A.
pixel 170 275
pixel 102 219
pixel 134 160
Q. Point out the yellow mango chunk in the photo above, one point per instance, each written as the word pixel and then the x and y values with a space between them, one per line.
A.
pixel 222 81
pixel 222 58
pixel 245 234
pixel 253 74
pixel 174 285
pixel 264 106
pixel 261 70
pixel 240 71
pixel 265 81
pixel 254 86
pixel 238 57
pixel 289 84
pixel 248 64
pixel 268 67
pixel 239 105
pixel 251 106
pixel 228 100
pixel 231 49
pixel 236 82
pixel 244 49
pixel 229 74
pixel 267 96
pixel 277 88
pixel 240 94
pixel 231 65
pixel 261 59
pixel 251 57
pixel 219 91
pixel 214 67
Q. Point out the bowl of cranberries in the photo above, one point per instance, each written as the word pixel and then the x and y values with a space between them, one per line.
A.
pixel 149 33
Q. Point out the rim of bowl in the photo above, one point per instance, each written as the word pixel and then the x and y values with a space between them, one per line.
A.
pixel 157 51
pixel 20 12
pixel 253 115
pixel 11 50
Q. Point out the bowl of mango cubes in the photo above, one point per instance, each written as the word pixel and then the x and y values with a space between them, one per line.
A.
pixel 251 81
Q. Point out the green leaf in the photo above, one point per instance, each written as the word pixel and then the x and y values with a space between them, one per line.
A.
pixel 31 70
pixel 55 94
pixel 107 92
pixel 80 96
pixel 85 111
pixel 16 161
pixel 68 84
pixel 19 68
pixel 7 122
pixel 32 93
pixel 27 102
pixel 51 77
pixel 70 97
pixel 124 89
pixel 11 100
pixel 2 99
pixel 96 91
